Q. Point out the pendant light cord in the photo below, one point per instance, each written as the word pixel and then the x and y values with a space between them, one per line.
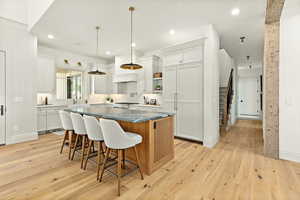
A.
pixel 131 33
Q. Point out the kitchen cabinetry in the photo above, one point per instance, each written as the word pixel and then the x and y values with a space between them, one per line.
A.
pixel 99 84
pixel 102 84
pixel 145 78
pixel 48 118
pixel 183 88
pixel 45 75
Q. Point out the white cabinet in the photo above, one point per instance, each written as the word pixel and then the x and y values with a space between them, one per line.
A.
pixel 109 81
pixel 41 120
pixel 45 75
pixel 48 118
pixel 99 84
pixel 183 89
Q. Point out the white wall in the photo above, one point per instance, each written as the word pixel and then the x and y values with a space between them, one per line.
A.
pixel 36 9
pixel 211 87
pixel 289 84
pixel 20 49
pixel 15 10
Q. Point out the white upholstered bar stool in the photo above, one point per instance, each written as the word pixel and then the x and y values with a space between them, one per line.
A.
pixel 94 133
pixel 80 131
pixel 115 138
pixel 68 127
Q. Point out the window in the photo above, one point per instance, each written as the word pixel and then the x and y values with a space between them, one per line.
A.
pixel 69 85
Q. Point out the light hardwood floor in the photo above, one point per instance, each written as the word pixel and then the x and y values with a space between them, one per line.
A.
pixel 235 169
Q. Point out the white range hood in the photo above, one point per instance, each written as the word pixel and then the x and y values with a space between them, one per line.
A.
pixel 125 78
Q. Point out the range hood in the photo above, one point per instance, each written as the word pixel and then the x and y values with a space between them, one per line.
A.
pixel 125 78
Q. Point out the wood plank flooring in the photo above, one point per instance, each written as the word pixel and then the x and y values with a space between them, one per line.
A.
pixel 234 169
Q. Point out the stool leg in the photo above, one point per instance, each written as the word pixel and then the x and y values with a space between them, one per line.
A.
pixel 138 162
pixel 119 171
pixel 83 150
pixel 64 141
pixel 75 145
pixel 123 159
pixel 70 143
pixel 104 163
pixel 88 153
pixel 98 156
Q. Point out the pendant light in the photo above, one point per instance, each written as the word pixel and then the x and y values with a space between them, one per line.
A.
pixel 97 72
pixel 131 65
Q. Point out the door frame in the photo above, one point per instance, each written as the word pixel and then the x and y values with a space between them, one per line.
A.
pixel 5 95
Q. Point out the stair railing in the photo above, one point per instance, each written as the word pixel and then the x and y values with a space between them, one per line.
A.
pixel 228 99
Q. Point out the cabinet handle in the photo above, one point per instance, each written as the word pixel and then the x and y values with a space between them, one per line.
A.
pixel 2 110
pixel 154 125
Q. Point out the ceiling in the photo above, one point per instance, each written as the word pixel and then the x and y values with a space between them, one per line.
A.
pixel 73 22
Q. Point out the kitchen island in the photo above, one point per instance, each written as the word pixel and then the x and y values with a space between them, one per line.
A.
pixel 156 128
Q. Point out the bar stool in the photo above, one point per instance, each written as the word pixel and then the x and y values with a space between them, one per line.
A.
pixel 80 132
pixel 115 138
pixel 94 133
pixel 68 127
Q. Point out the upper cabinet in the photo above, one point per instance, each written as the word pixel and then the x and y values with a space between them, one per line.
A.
pixel 45 75
pixel 102 84
pixel 182 54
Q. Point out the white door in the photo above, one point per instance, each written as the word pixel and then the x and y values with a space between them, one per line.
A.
pixel 190 101
pixel 2 97
pixel 248 96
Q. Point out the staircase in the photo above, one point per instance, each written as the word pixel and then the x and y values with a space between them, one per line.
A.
pixel 222 97
pixel 225 101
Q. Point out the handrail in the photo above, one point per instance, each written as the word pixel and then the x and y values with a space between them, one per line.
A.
pixel 228 99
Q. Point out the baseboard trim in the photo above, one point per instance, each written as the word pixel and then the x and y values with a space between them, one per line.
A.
pixel 291 156
pixel 22 138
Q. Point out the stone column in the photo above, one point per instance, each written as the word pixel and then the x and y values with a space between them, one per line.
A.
pixel 271 90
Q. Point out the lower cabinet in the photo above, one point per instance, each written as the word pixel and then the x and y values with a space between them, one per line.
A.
pixel 48 119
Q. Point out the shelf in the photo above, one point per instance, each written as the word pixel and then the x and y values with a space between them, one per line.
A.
pixel 157 91
pixel 157 78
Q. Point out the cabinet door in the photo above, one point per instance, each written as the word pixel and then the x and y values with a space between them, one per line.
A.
pixel 41 120
pixel 53 120
pixel 163 138
pixel 99 82
pixel 190 102
pixel 45 75
pixel 109 83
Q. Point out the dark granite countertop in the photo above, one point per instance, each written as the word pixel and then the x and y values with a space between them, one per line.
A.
pixel 122 114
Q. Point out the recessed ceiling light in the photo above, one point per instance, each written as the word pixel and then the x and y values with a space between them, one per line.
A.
pixel 107 52
pixel 51 36
pixel 172 32
pixel 133 44
pixel 235 11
